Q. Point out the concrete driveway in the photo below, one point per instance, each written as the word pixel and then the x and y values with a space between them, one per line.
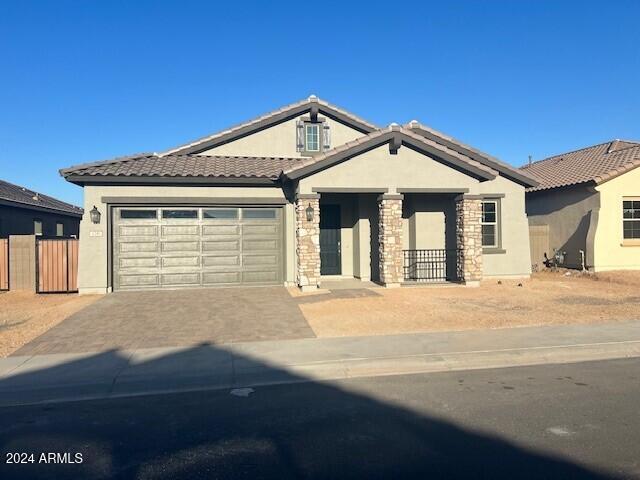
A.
pixel 173 318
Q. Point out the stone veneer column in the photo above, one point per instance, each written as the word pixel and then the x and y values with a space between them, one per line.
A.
pixel 469 238
pixel 308 242
pixel 390 239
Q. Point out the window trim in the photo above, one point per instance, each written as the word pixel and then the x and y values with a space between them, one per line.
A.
pixel 497 246
pixel 61 225
pixel 629 241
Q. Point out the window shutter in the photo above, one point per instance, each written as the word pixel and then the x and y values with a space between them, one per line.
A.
pixel 299 136
pixel 326 136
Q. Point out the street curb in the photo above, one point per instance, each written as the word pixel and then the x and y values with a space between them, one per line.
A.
pixel 333 370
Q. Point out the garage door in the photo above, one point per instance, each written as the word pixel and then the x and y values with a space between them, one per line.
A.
pixel 167 247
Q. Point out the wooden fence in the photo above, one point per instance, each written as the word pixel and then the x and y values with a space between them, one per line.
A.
pixel 539 244
pixel 4 264
pixel 57 265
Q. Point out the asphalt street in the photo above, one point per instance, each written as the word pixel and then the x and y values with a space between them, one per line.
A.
pixel 544 422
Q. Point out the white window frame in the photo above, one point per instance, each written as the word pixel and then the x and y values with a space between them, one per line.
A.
pixel 59 233
pixel 495 223
pixel 307 128
pixel 629 199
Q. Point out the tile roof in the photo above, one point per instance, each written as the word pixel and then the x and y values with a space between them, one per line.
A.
pixel 597 164
pixel 191 165
pixel 25 197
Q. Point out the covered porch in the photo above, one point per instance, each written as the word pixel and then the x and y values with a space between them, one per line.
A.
pixel 405 237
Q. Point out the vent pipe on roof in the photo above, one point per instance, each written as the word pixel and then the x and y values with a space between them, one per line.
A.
pixel 530 160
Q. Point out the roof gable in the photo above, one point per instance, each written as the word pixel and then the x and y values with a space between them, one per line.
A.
pixel 311 105
pixel 596 164
pixel 395 136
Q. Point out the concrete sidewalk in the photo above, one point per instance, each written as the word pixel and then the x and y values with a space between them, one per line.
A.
pixel 50 378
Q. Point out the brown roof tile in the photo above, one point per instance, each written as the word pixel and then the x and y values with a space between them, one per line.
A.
pixel 151 164
pixel 597 163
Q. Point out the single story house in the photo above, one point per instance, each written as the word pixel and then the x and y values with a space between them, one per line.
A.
pixel 304 193
pixel 589 203
pixel 25 212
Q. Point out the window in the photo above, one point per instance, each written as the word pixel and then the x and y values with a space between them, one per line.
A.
pixel 59 229
pixel 631 219
pixel 490 223
pixel 138 214
pixel 227 213
pixel 37 227
pixel 179 214
pixel 258 213
pixel 312 137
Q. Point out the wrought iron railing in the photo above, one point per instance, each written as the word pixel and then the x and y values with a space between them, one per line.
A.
pixel 430 265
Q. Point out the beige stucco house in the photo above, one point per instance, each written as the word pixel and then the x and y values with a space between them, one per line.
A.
pixel 301 194
pixel 588 202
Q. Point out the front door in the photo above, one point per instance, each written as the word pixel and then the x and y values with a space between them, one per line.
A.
pixel 330 240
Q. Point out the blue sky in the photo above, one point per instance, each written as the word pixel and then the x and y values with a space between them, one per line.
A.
pixel 89 80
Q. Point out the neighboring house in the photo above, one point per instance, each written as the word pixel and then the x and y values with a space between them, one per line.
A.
pixel 300 194
pixel 590 201
pixel 25 212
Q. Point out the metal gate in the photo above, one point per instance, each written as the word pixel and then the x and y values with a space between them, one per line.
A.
pixel 429 265
pixel 57 265
pixel 539 244
pixel 4 264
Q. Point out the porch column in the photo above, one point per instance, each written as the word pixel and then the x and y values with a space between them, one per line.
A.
pixel 308 242
pixel 469 238
pixel 390 239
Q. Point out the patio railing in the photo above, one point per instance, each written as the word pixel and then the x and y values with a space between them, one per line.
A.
pixel 430 265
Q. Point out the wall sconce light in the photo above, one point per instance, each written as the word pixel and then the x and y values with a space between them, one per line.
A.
pixel 309 211
pixel 95 215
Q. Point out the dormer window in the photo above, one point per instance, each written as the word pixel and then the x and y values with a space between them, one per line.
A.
pixel 312 137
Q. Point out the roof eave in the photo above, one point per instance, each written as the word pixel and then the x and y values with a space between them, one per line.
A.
pixel 511 173
pixel 40 208
pixel 83 180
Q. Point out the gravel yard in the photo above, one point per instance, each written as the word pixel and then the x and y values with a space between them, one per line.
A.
pixel 547 298
pixel 24 315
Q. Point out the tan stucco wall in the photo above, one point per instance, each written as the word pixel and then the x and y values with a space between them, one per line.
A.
pixel 280 140
pixel 611 253
pixel 377 168
pixel 93 261
pixel 572 216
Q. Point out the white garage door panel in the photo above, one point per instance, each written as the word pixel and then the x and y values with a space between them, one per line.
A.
pixel 155 252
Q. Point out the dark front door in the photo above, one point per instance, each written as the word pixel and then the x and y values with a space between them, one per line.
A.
pixel 330 240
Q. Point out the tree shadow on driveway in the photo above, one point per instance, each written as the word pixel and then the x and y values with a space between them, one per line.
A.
pixel 305 430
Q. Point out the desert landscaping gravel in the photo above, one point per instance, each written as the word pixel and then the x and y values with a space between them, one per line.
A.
pixel 25 315
pixel 546 298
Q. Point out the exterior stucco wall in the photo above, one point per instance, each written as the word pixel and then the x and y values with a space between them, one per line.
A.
pixel 280 140
pixel 513 258
pixel 612 252
pixel 572 215
pixel 93 275
pixel 19 221
pixel 377 168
